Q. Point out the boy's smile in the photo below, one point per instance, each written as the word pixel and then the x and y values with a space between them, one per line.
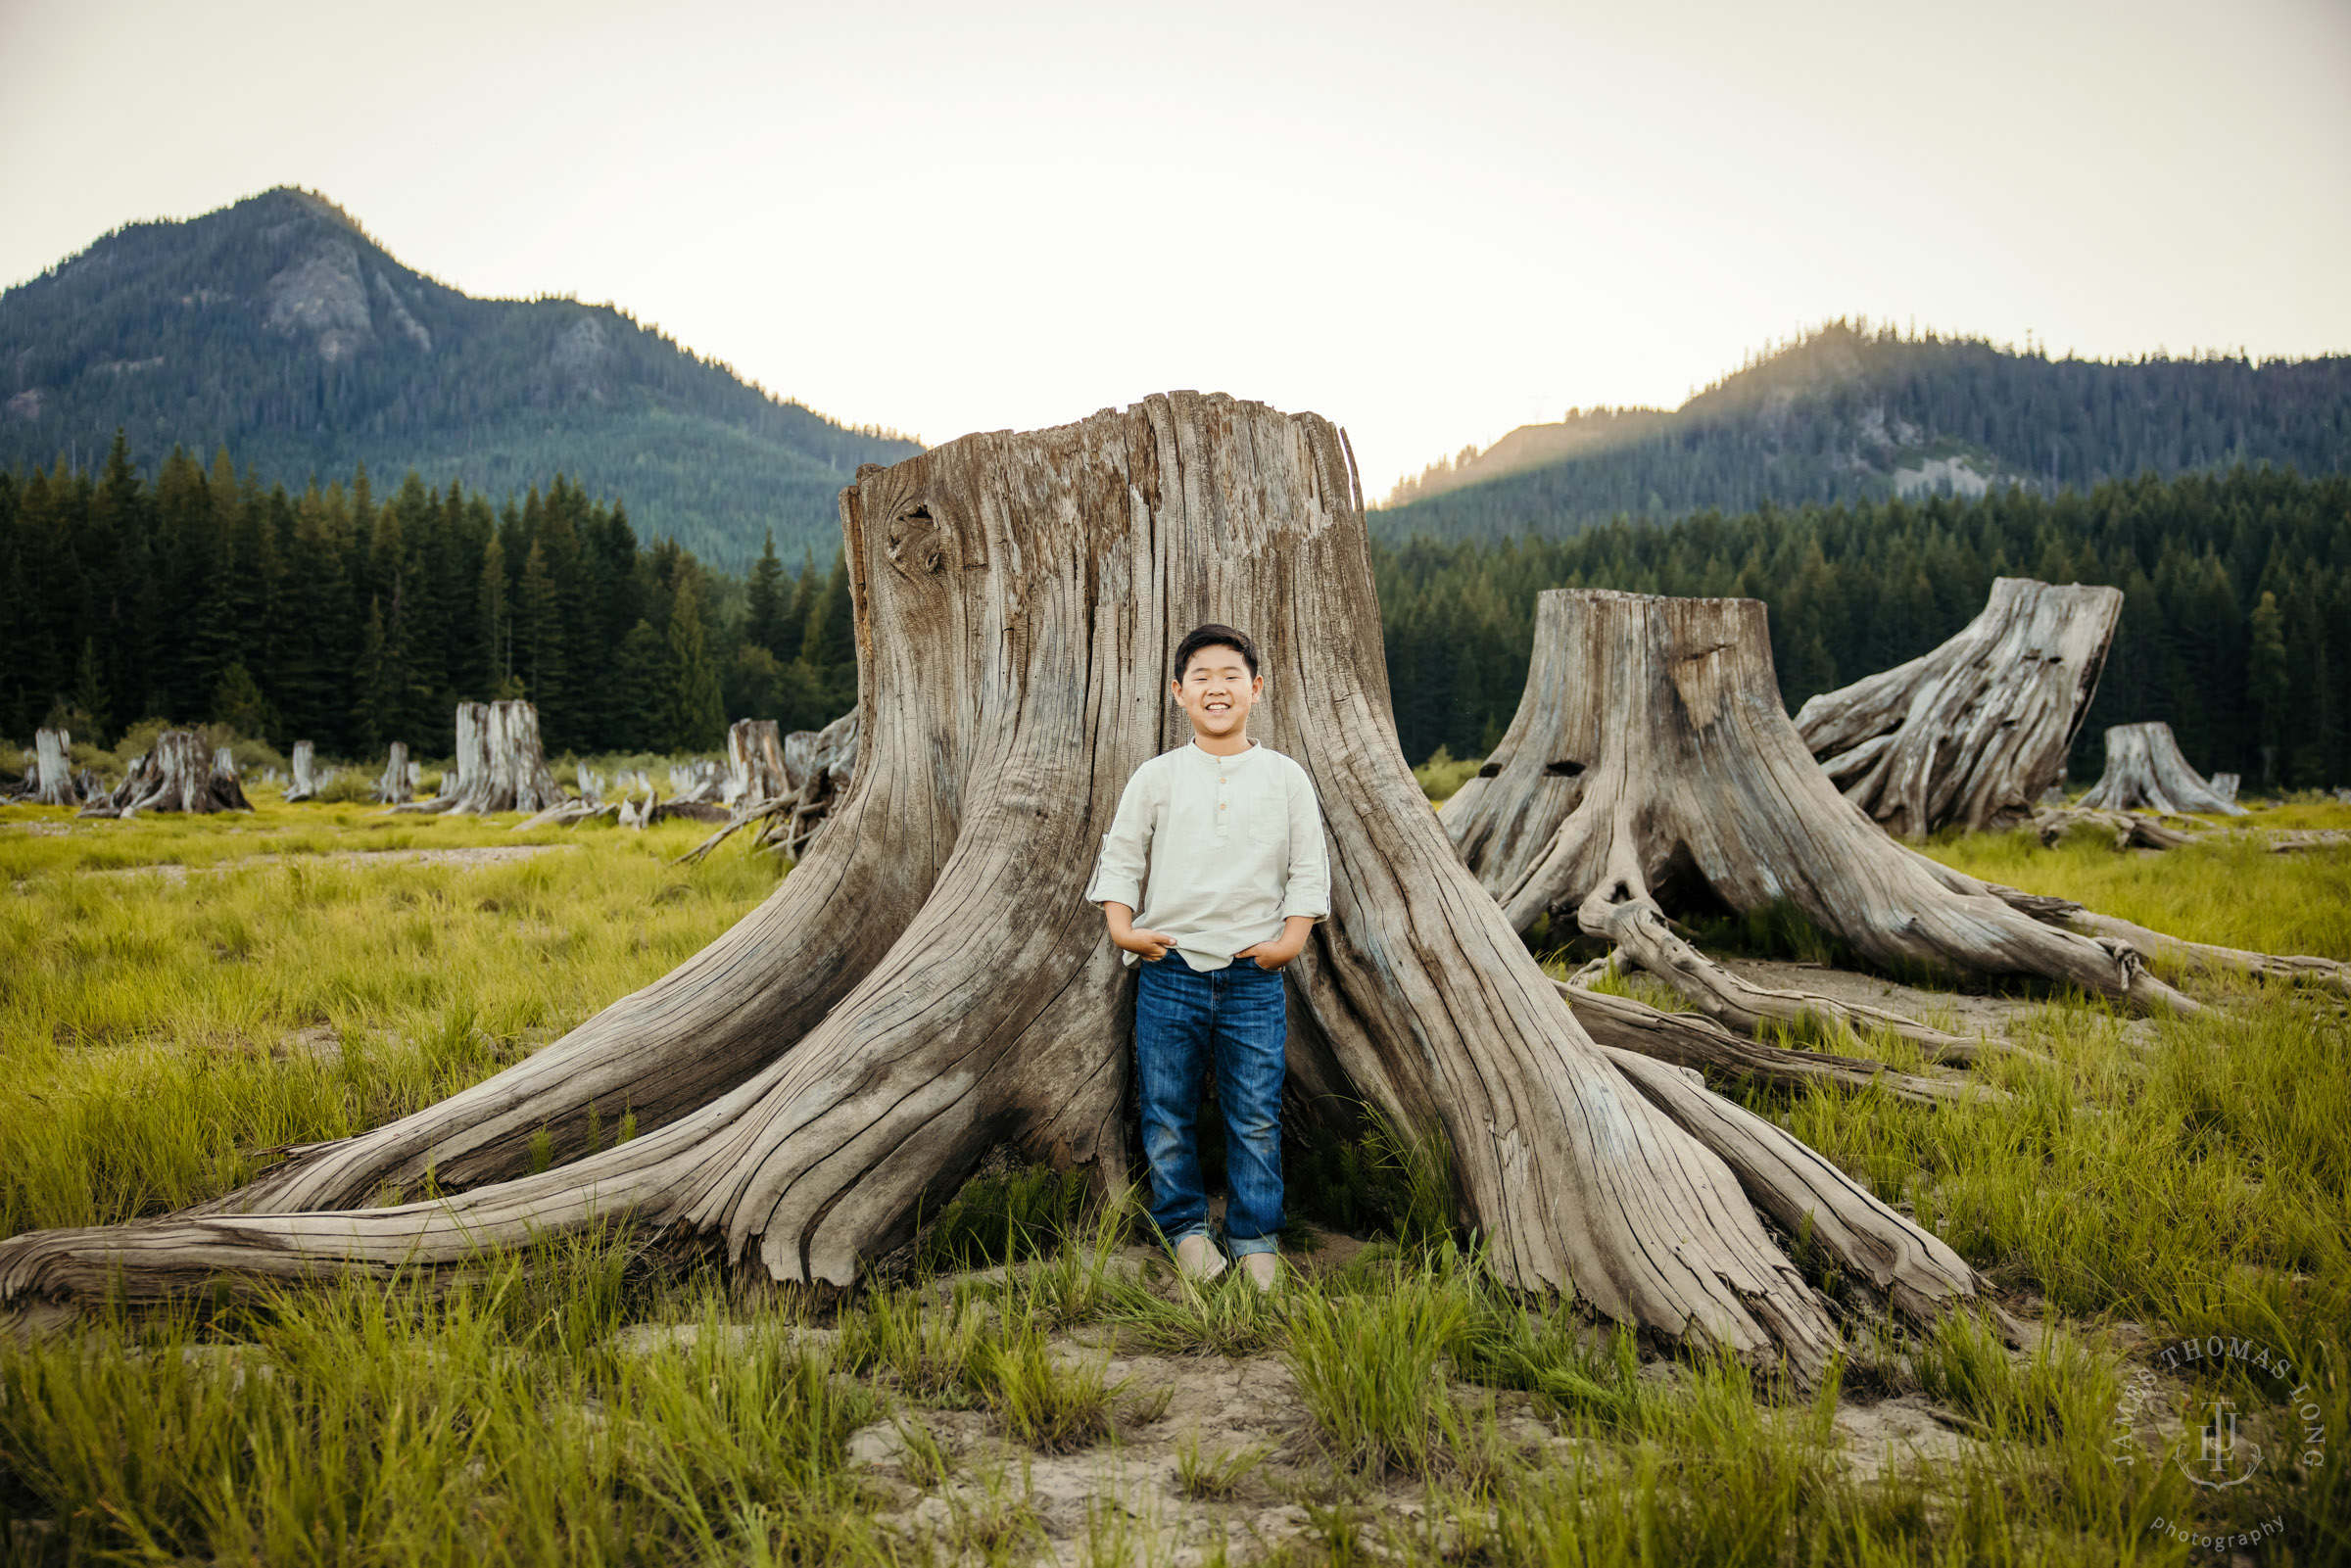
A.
pixel 1216 691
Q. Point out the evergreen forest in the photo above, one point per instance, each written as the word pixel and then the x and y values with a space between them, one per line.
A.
pixel 352 620
pixel 2235 626
pixel 1859 413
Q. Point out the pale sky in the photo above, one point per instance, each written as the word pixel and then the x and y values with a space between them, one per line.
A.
pixel 1431 224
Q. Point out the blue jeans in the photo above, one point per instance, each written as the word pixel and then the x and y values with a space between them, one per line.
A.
pixel 1183 1020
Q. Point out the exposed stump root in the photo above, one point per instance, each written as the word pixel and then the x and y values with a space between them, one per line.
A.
pixel 1651 764
pixel 928 983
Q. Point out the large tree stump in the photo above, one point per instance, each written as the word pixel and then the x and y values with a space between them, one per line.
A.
pixel 52 781
pixel 306 783
pixel 180 774
pixel 391 787
pixel 500 765
pixel 2145 771
pixel 1973 732
pixel 929 982
pixel 1651 765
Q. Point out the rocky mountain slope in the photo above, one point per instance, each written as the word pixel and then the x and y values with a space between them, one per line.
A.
pixel 279 329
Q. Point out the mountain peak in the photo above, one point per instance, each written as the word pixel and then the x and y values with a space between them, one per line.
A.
pixel 1849 411
pixel 277 327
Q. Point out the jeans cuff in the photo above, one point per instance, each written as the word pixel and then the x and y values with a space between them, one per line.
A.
pixel 1243 1246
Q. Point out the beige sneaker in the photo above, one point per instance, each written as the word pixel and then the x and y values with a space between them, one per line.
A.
pixel 1197 1259
pixel 1262 1268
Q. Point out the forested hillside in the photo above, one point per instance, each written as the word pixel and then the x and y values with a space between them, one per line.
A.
pixel 1852 414
pixel 2236 629
pixel 279 329
pixel 334 615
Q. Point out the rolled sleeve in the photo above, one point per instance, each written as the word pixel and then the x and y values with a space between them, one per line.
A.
pixel 1305 890
pixel 1125 850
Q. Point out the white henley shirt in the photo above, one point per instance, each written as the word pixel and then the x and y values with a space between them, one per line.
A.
pixel 1223 848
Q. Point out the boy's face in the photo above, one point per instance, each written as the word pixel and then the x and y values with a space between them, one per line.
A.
pixel 1218 692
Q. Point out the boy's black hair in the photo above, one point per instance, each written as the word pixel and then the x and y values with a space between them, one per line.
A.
pixel 1213 636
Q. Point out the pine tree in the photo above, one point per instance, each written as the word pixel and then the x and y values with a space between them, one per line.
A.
pixel 695 715
pixel 539 641
pixel 89 694
pixel 763 603
pixel 370 702
pixel 829 648
pixel 494 624
pixel 639 686
pixel 2267 682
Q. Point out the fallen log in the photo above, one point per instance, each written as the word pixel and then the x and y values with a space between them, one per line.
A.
pixel 2145 771
pixel 928 982
pixel 1687 1040
pixel 2197 958
pixel 2129 830
pixel 1972 732
pixel 1639 930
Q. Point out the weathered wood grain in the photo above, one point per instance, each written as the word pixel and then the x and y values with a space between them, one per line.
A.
pixel 1651 758
pixel 928 982
pixel 1974 732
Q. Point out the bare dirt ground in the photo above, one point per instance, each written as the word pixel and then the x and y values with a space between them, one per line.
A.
pixel 1258 1474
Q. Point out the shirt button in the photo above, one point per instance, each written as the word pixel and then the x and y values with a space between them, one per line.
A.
pixel 1219 805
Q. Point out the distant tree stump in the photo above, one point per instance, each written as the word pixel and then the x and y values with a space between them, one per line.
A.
pixel 499 766
pixel 305 784
pixel 395 786
pixel 1973 732
pixel 818 769
pixel 52 781
pixel 227 788
pixel 179 774
pixel 2145 771
pixel 754 763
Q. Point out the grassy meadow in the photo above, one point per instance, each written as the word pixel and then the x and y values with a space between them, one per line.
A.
pixel 178 998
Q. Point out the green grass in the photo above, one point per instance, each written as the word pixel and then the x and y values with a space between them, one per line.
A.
pixel 151 1047
pixel 2148 1179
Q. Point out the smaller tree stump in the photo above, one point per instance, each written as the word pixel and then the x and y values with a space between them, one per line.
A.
pixel 394 788
pixel 306 781
pixel 2225 785
pixel 500 767
pixel 52 770
pixel 227 788
pixel 2145 771
pixel 182 774
pixel 754 763
pixel 818 769
pixel 1974 732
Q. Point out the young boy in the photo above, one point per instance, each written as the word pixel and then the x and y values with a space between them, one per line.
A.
pixel 1229 837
